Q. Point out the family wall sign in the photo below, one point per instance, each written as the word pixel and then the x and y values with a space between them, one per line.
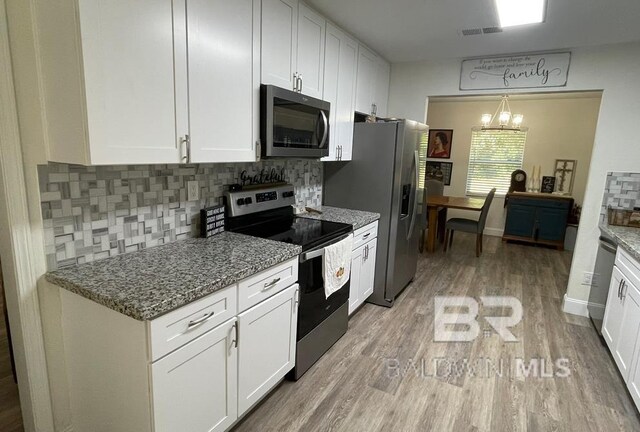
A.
pixel 515 71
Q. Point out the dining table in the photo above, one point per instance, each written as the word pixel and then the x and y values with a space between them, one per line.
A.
pixel 437 202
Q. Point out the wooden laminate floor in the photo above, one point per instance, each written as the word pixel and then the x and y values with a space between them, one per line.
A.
pixel 10 414
pixel 356 386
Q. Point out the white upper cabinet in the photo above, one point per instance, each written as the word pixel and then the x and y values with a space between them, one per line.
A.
pixel 108 79
pixel 381 91
pixel 279 42
pixel 311 40
pixel 340 65
pixel 293 39
pixel 224 79
pixel 367 72
pixel 372 92
pixel 125 84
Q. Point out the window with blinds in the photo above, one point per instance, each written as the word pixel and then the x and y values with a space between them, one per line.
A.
pixel 494 156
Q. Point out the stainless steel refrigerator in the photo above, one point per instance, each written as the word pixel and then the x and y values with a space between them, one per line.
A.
pixel 383 177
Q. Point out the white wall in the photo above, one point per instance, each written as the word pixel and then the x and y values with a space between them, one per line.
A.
pixel 561 126
pixel 613 69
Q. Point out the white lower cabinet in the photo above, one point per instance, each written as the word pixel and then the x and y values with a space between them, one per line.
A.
pixel 266 345
pixel 197 368
pixel 195 387
pixel 621 324
pixel 363 265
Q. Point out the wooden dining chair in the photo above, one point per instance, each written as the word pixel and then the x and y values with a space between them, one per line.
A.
pixel 432 187
pixel 469 225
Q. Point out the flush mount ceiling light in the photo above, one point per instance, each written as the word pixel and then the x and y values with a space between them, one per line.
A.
pixel 519 12
pixel 505 120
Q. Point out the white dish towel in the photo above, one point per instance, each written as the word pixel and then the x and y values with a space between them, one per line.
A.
pixel 336 265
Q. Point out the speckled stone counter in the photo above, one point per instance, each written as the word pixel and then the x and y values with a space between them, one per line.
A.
pixel 627 238
pixel 149 283
pixel 357 218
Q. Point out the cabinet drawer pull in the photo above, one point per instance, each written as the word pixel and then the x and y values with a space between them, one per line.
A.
pixel 366 236
pixel 197 323
pixel 271 284
pixel 620 289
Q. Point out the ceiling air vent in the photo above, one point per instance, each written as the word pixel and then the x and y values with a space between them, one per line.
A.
pixel 471 32
pixel 488 30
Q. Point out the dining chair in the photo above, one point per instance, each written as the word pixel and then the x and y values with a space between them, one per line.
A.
pixel 432 187
pixel 469 225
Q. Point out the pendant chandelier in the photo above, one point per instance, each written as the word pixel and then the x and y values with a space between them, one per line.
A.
pixel 502 119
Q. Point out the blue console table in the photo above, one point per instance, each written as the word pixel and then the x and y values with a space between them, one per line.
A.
pixel 537 218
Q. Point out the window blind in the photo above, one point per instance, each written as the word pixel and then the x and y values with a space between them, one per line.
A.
pixel 493 157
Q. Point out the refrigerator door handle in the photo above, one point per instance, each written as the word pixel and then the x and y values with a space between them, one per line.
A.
pixel 414 210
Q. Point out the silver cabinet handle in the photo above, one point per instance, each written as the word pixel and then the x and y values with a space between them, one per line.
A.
pixel 234 342
pixel 372 109
pixel 620 289
pixel 271 284
pixel 300 84
pixel 366 236
pixel 297 297
pixel 184 140
pixel 624 290
pixel 295 81
pixel 197 323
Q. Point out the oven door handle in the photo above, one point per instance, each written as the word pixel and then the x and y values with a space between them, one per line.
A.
pixel 318 252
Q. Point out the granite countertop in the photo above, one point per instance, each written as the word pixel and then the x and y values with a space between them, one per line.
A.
pixel 149 283
pixel 357 218
pixel 627 238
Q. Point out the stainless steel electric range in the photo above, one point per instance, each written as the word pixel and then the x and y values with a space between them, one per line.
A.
pixel 267 212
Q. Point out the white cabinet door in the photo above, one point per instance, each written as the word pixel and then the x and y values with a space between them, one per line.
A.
pixel 356 278
pixel 633 381
pixel 381 90
pixel 310 58
pixel 341 57
pixel 223 84
pixel 625 344
pixel 195 387
pixel 613 313
pixel 130 84
pixel 279 42
pixel 367 72
pixel 368 270
pixel 266 345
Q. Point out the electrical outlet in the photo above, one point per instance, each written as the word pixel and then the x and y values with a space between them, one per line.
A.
pixel 587 278
pixel 193 190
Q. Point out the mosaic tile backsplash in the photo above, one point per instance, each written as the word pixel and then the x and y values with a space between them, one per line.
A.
pixel 622 191
pixel 91 213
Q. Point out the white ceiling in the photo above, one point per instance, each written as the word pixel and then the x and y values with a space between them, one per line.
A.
pixel 414 30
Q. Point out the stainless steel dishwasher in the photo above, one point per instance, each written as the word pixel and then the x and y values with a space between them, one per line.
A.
pixel 605 260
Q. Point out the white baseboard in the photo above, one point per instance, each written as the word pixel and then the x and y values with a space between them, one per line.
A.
pixel 494 232
pixel 579 307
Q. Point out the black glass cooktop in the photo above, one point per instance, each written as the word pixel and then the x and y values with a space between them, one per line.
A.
pixel 307 233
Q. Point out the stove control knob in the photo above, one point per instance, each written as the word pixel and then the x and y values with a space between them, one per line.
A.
pixel 240 201
pixel 248 200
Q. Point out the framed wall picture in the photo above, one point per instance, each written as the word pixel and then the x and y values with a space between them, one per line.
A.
pixel 440 141
pixel 548 184
pixel 565 172
pixel 439 171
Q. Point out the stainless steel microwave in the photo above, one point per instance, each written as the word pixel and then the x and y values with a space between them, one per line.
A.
pixel 292 124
